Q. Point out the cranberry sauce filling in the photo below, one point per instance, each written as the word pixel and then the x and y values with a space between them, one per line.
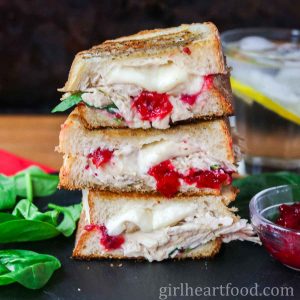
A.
pixel 207 84
pixel 109 242
pixel 101 156
pixel 167 179
pixel 187 50
pixel 168 184
pixel 289 216
pixel 152 105
pixel 213 179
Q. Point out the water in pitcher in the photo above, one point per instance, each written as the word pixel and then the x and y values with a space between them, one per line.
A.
pixel 266 84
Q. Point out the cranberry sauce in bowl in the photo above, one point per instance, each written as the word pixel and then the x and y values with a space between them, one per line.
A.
pixel 275 215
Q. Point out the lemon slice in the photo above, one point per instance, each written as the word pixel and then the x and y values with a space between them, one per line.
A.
pixel 250 94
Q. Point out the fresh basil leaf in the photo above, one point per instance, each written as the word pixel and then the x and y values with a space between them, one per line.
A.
pixel 27 210
pixel 251 185
pixel 30 269
pixel 67 103
pixel 71 215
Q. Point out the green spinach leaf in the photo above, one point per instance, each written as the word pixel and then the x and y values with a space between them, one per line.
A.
pixel 26 223
pixel 8 194
pixel 43 184
pixel 25 209
pixel 30 269
pixel 251 185
pixel 32 182
pixel 71 215
pixel 4 217
pixel 111 108
pixel 26 231
pixel 67 103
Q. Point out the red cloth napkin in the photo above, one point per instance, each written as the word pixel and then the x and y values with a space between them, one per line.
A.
pixel 11 164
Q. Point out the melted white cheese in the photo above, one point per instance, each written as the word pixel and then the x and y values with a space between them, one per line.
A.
pixel 152 154
pixel 159 78
pixel 150 219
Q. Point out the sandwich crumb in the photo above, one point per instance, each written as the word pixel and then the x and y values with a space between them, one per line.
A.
pixel 79 289
pixel 120 265
pixel 111 265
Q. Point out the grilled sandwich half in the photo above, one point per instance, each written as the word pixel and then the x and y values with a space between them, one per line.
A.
pixel 151 79
pixel 194 159
pixel 152 227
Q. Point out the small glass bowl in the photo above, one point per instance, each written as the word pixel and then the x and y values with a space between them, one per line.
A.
pixel 282 243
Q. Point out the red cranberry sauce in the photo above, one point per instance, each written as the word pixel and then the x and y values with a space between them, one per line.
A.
pixel 187 50
pixel 207 84
pixel 284 245
pixel 168 184
pixel 289 216
pixel 152 106
pixel 213 179
pixel 109 242
pixel 167 179
pixel 100 157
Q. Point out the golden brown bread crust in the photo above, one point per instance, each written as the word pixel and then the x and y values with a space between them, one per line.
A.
pixel 208 250
pixel 87 116
pixel 203 40
pixel 230 196
pixel 160 41
pixel 74 121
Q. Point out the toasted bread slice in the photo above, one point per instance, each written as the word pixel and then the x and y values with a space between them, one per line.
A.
pixel 213 103
pixel 195 47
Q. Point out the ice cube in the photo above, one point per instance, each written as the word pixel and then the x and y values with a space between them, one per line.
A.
pixel 295 55
pixel 286 48
pixel 271 86
pixel 256 43
pixel 290 77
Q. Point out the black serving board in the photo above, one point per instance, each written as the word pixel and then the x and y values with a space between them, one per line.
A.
pixel 241 264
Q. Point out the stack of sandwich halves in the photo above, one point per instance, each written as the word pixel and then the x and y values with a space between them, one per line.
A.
pixel 150 147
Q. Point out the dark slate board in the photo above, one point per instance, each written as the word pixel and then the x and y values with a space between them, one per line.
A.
pixel 240 263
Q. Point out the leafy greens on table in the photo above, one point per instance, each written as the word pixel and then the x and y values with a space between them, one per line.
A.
pixel 31 269
pixel 26 223
pixel 253 184
pixel 32 182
